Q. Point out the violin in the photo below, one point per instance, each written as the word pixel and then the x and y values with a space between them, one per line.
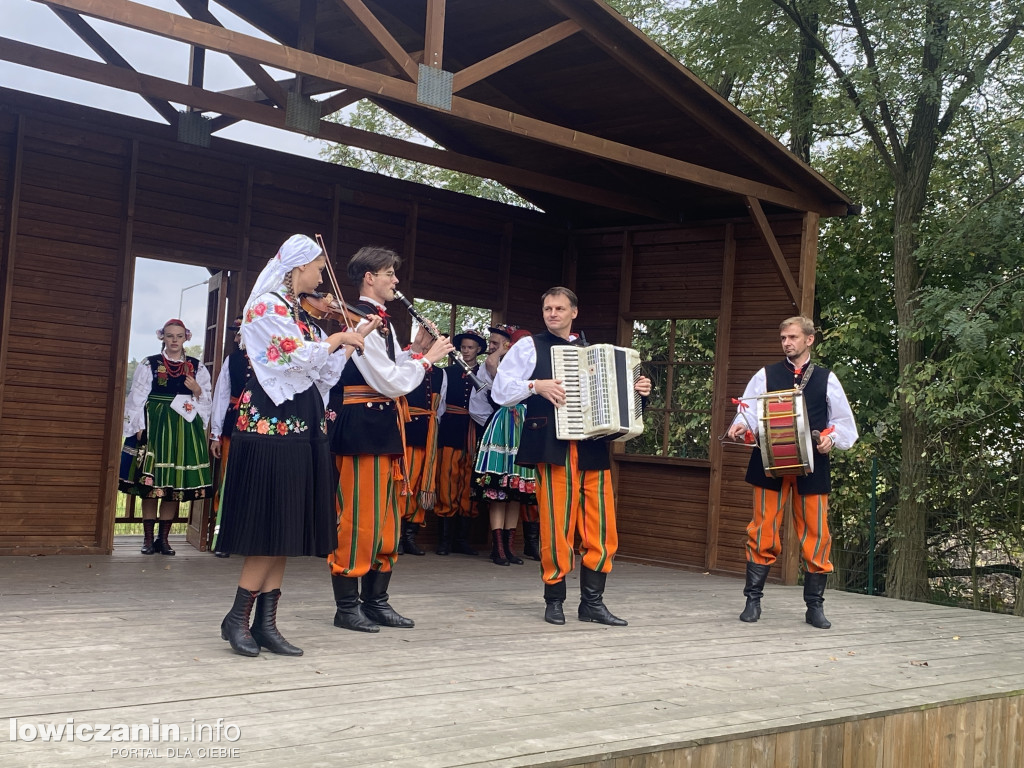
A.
pixel 321 307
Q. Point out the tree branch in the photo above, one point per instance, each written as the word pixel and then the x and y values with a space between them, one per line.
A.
pixel 882 100
pixel 973 77
pixel 845 81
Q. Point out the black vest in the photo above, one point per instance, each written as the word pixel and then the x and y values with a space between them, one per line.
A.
pixel 163 382
pixel 780 376
pixel 452 431
pixel 416 430
pixel 238 373
pixel 539 444
pixel 363 429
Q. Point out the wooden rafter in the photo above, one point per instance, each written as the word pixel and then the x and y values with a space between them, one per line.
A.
pixel 198 11
pixel 307 33
pixel 209 101
pixel 380 37
pixel 273 54
pixel 757 214
pixel 433 45
pixel 105 51
pixel 506 58
pixel 615 49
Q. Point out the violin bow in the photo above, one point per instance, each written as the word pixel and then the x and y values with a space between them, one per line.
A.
pixel 334 282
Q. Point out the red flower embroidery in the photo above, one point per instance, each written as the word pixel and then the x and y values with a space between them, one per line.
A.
pixel 260 309
pixel 273 354
pixel 281 309
pixel 242 424
pixel 246 396
pixel 282 428
pixel 288 345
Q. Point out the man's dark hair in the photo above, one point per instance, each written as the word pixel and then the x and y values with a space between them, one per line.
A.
pixel 371 258
pixel 559 290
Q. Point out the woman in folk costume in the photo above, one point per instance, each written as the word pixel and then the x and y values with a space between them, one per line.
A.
pixel 496 478
pixel 164 460
pixel 278 494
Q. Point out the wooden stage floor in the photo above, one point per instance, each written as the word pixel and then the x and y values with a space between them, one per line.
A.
pixel 483 681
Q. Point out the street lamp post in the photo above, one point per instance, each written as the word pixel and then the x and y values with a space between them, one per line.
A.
pixel 181 299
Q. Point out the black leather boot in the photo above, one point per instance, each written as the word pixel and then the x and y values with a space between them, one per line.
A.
pixel 508 536
pixel 814 596
pixel 264 625
pixel 757 574
pixel 147 536
pixel 408 541
pixel 463 534
pixel 592 607
pixel 235 627
pixel 160 544
pixel 444 536
pixel 349 614
pixel 554 596
pixel 375 601
pixel 531 540
pixel 498 556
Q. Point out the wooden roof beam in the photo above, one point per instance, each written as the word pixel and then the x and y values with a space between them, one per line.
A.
pixel 379 35
pixel 274 54
pixel 506 58
pixel 37 57
pixel 106 51
pixel 198 10
pixel 670 92
pixel 433 36
pixel 757 214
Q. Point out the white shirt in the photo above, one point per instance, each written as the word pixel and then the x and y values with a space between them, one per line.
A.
pixel 840 416
pixel 221 400
pixel 480 408
pixel 515 371
pixel 391 379
pixel 284 363
pixel 142 386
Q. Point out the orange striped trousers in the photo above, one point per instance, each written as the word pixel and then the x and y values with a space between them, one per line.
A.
pixel 367 516
pixel 567 498
pixel 455 474
pixel 416 474
pixel 810 519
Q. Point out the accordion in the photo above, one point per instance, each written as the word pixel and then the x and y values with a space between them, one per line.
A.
pixel 600 399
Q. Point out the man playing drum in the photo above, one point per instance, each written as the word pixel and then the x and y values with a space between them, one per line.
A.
pixel 832 426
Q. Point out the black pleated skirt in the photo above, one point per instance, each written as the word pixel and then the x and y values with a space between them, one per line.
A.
pixel 278 493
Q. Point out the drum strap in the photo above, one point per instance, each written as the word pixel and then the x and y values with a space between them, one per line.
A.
pixel 808 370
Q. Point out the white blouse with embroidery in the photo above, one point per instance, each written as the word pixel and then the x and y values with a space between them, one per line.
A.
pixel 142 386
pixel 284 362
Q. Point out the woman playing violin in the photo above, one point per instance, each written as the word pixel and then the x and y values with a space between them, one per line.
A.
pixel 278 496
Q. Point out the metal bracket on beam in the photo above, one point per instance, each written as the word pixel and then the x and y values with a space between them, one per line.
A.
pixel 434 87
pixel 302 114
pixel 194 128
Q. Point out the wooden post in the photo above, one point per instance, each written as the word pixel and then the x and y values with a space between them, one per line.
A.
pixel 721 412
pixel 116 393
pixel 8 255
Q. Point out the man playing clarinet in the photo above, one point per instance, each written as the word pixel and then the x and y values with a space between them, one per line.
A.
pixel 367 416
pixel 574 485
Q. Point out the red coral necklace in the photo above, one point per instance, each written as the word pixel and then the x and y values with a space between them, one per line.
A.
pixel 177 368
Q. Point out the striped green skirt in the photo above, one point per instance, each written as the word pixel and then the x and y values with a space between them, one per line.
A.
pixel 173 463
pixel 496 476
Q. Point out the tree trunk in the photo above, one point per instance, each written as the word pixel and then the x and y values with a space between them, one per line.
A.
pixel 801 126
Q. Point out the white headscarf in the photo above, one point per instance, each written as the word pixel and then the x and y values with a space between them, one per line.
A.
pixel 296 251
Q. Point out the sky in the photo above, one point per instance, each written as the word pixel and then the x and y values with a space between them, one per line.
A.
pixel 160 288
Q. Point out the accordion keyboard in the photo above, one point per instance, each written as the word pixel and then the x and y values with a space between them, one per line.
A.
pixel 600 394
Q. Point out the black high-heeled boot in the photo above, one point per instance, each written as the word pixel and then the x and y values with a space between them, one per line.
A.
pixel 753 590
pixel 264 626
pixel 160 544
pixel 147 536
pixel 508 537
pixel 498 556
pixel 235 627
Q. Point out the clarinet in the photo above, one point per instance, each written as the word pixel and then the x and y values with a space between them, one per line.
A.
pixel 479 385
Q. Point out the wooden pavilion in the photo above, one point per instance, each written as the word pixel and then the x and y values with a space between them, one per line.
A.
pixel 657 200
